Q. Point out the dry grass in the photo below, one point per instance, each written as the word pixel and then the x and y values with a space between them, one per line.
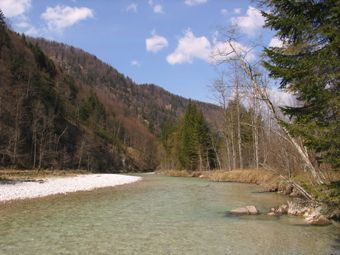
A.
pixel 243 176
pixel 22 175
pixel 175 173
pixel 268 179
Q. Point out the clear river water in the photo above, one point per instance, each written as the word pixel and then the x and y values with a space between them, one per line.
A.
pixel 159 215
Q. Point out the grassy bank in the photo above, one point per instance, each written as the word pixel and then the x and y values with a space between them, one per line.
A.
pixel 243 176
pixel 271 181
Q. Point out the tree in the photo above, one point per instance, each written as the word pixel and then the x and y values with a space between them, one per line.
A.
pixel 2 19
pixel 188 151
pixel 189 143
pixel 308 65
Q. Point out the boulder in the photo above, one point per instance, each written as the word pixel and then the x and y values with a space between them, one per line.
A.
pixel 296 209
pixel 239 211
pixel 248 210
pixel 283 209
pixel 252 210
pixel 271 214
pixel 318 220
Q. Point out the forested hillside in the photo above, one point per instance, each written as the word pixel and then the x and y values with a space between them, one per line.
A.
pixel 62 108
pixel 150 103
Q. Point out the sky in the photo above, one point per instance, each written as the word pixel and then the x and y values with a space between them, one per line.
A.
pixel 169 43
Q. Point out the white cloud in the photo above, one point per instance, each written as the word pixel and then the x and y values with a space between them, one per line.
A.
pixel 12 8
pixel 190 47
pixel 275 42
pixel 222 51
pixel 156 43
pixel 281 98
pixel 195 2
pixel 60 17
pixel 157 8
pixel 224 12
pixel 136 63
pixel 133 7
pixel 237 10
pixel 251 22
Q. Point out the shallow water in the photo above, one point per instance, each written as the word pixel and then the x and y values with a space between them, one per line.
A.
pixel 159 215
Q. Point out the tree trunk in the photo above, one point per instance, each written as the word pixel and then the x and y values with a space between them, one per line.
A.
pixel 16 132
pixel 262 93
pixel 81 154
pixel 231 134
pixel 255 133
pixel 239 138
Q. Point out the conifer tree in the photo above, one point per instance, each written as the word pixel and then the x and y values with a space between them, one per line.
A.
pixel 308 65
pixel 2 19
pixel 195 148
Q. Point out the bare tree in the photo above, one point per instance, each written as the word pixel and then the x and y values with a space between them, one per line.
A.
pixel 221 94
pixel 260 89
pixel 238 102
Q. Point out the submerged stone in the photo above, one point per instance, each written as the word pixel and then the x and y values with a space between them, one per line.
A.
pixel 248 210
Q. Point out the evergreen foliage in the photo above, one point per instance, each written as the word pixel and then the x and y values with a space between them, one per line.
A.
pixel 92 106
pixel 189 142
pixel 43 62
pixel 2 19
pixel 308 66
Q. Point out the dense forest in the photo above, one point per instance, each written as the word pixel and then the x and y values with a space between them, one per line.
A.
pixel 62 108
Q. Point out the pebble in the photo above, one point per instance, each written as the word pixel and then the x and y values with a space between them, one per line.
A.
pixel 62 185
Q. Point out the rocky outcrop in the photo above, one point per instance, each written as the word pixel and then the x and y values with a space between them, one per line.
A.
pixel 297 209
pixel 318 220
pixel 312 212
pixel 247 210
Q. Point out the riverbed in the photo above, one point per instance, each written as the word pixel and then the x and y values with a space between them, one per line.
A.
pixel 158 215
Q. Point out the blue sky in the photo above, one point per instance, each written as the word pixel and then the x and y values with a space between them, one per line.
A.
pixel 165 42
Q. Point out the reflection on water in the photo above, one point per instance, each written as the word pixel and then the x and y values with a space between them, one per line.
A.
pixel 160 215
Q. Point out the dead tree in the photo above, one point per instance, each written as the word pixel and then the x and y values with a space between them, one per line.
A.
pixel 261 92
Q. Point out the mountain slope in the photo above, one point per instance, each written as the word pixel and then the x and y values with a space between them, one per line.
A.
pixel 149 101
pixel 61 107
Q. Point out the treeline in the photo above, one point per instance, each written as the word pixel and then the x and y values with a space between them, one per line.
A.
pixel 48 119
pixel 189 143
pixel 243 138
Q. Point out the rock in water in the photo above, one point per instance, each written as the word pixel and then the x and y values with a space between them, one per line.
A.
pixel 296 209
pixel 239 211
pixel 283 209
pixel 319 220
pixel 250 209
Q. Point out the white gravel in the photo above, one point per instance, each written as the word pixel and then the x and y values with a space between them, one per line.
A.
pixel 62 185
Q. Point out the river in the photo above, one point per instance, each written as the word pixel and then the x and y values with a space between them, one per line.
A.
pixel 159 215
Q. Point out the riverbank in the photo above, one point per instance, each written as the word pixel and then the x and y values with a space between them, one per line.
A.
pixel 14 189
pixel 269 180
pixel 326 197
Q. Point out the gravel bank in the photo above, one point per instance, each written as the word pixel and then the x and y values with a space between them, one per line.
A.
pixel 61 185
